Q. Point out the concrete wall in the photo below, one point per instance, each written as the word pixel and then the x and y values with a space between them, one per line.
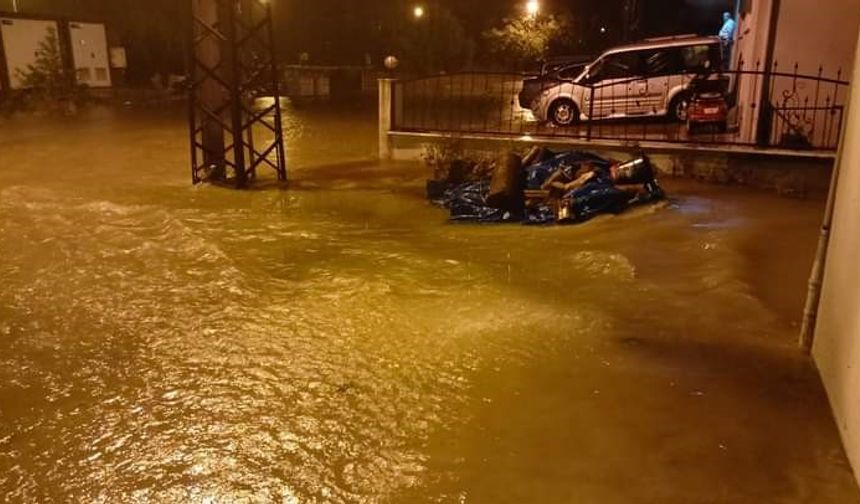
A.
pixel 750 54
pixel 787 174
pixel 837 345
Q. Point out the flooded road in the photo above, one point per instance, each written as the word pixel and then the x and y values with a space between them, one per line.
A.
pixel 339 342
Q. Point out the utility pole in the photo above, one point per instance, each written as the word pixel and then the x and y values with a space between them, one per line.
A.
pixel 232 64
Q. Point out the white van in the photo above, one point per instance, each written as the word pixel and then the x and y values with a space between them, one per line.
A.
pixel 649 78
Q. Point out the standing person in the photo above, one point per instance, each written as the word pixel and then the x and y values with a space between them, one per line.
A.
pixel 727 36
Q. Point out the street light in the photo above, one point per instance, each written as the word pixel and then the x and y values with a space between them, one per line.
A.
pixel 418 12
pixel 533 8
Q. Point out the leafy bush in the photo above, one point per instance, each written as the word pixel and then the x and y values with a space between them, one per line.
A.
pixel 526 39
pixel 47 82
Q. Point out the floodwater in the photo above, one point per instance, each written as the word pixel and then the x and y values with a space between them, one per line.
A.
pixel 339 342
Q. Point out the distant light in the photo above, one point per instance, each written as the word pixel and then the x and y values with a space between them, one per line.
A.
pixel 533 8
pixel 418 12
pixel 602 29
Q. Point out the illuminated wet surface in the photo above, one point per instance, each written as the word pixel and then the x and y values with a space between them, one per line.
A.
pixel 339 342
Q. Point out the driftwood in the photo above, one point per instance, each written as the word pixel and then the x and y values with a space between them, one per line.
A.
pixel 536 155
pixel 507 184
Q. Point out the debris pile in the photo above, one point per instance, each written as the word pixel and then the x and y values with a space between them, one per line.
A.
pixel 545 187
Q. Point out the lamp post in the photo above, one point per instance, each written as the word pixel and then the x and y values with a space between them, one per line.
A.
pixel 532 8
pixel 425 28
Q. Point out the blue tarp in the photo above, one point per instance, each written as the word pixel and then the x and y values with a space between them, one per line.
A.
pixel 468 202
pixel 570 162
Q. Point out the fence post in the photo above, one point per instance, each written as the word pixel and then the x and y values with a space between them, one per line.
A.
pixel 590 113
pixel 386 117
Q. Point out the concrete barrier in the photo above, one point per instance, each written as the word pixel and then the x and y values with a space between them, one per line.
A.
pixel 789 172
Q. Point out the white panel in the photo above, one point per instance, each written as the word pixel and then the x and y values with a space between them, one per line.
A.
pixel 118 58
pixel 21 39
pixel 837 338
pixel 90 54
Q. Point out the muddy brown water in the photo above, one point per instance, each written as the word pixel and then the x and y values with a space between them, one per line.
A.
pixel 339 342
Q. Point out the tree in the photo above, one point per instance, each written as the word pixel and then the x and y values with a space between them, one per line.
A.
pixel 526 39
pixel 47 77
pixel 435 42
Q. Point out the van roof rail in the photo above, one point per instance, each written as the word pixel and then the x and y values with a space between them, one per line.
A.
pixel 672 37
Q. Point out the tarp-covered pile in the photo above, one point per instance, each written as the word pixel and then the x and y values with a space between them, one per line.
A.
pixel 545 188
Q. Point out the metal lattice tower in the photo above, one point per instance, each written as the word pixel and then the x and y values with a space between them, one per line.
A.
pixel 234 91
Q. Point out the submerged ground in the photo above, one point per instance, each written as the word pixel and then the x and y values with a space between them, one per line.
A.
pixel 340 342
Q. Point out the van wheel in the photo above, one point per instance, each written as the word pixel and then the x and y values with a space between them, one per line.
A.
pixel 679 107
pixel 564 113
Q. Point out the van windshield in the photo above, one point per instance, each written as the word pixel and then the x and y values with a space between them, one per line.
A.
pixel 616 66
pixel 571 72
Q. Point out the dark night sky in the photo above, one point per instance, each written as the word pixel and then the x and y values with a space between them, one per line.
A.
pixel 322 26
pixel 343 31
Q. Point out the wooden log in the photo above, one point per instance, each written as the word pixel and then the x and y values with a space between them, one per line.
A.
pixel 537 194
pixel 536 155
pixel 507 184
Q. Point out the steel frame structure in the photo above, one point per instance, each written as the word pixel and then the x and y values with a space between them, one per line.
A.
pixel 232 66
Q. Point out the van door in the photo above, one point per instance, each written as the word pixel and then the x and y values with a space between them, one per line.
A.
pixel 665 73
pixel 637 96
pixel 617 84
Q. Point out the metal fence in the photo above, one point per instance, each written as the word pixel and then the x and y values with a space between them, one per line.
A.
pixel 774 108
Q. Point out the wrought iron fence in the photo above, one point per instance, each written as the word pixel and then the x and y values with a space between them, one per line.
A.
pixel 773 108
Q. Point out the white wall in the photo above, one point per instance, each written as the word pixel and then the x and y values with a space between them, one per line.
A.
pixel 814 36
pixel 811 35
pixel 21 39
pixel 750 53
pixel 817 33
pixel 837 345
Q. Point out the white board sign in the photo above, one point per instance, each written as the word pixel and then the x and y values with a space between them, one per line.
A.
pixel 90 54
pixel 21 41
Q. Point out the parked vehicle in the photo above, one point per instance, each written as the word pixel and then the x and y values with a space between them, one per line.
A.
pixel 708 107
pixel 553 71
pixel 649 78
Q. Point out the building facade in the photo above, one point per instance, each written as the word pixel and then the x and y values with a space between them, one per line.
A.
pixel 790 38
pixel 837 336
